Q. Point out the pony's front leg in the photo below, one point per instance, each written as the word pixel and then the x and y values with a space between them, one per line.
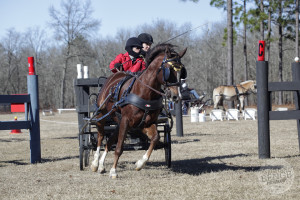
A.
pixel 95 163
pixel 241 99
pixel 216 102
pixel 151 132
pixel 123 128
pixel 112 140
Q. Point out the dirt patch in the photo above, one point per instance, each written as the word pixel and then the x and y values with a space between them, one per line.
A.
pixel 214 160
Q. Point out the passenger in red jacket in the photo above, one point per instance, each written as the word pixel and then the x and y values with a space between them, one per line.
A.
pixel 130 61
pixel 147 41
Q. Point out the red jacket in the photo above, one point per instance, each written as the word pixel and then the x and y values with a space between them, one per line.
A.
pixel 138 65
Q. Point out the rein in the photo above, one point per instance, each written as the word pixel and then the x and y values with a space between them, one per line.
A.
pixel 177 67
pixel 151 88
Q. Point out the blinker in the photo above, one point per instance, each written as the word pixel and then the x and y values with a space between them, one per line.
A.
pixel 166 73
pixel 183 73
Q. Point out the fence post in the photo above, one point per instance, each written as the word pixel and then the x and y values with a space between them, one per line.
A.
pixel 33 91
pixel 263 103
pixel 263 107
pixel 296 77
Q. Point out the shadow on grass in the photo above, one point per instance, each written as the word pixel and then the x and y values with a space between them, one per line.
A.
pixel 13 140
pixel 70 138
pixel 44 160
pixel 15 162
pixel 58 159
pixel 203 165
pixel 197 134
pixel 289 156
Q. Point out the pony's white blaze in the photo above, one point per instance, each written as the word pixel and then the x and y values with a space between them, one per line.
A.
pixel 95 163
pixel 179 93
pixel 141 163
pixel 178 88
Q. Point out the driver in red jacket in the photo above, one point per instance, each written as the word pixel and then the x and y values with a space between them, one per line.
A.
pixel 130 61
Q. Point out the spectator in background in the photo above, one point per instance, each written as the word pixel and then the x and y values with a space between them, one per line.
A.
pixel 192 91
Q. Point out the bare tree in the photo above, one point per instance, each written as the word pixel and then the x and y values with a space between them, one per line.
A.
pixel 280 48
pixel 74 20
pixel 262 30
pixel 12 47
pixel 297 29
pixel 229 46
pixel 36 40
pixel 269 28
pixel 245 43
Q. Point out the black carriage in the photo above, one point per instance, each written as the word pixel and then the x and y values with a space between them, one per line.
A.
pixel 86 105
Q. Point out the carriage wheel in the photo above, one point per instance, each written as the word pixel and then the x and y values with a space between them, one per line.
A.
pixel 81 150
pixel 87 150
pixel 167 143
pixel 84 151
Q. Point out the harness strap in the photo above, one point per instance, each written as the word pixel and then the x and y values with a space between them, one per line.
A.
pixel 144 118
pixel 129 88
pixel 142 103
pixel 238 93
pixel 236 90
pixel 145 105
pixel 119 86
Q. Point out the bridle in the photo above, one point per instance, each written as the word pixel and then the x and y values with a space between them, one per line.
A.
pixel 174 64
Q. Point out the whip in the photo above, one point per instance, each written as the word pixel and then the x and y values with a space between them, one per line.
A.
pixel 185 33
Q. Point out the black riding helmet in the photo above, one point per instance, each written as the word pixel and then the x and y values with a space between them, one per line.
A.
pixel 133 42
pixel 146 38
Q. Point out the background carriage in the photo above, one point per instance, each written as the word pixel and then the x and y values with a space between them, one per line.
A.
pixel 86 105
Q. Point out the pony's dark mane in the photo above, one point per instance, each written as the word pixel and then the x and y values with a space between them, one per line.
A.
pixel 158 49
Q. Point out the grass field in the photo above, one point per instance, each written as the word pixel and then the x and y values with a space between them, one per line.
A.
pixel 214 160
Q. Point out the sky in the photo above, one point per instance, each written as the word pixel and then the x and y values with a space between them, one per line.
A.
pixel 114 14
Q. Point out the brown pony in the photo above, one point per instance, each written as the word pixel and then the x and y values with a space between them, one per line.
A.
pixel 233 92
pixel 164 69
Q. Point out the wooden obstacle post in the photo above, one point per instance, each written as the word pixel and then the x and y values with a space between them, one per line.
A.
pixel 178 111
pixel 33 91
pixel 264 103
pixel 296 77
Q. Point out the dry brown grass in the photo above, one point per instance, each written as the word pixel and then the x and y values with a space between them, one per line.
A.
pixel 214 160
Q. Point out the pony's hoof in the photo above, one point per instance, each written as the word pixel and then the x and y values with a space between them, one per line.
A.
pixel 113 174
pixel 102 170
pixel 94 168
pixel 140 165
